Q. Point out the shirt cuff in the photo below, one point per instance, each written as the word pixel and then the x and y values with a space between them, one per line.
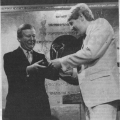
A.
pixel 62 61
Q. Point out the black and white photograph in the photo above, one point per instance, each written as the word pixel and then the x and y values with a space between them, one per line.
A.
pixel 60 60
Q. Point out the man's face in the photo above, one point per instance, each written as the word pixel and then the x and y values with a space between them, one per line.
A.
pixel 28 39
pixel 78 26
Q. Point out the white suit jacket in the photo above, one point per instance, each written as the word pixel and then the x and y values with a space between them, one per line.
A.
pixel 99 76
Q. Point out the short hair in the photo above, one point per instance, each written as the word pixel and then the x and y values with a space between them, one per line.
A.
pixel 79 9
pixel 23 27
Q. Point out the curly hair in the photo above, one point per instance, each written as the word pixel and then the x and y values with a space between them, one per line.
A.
pixel 23 27
pixel 79 9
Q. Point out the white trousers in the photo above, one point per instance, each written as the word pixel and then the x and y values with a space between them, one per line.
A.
pixel 107 111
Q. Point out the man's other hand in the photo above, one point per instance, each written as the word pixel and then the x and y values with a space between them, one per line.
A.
pixel 70 76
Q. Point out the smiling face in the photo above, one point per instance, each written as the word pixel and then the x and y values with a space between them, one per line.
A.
pixel 28 39
pixel 78 25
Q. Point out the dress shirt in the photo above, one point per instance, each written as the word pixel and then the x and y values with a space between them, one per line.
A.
pixel 28 54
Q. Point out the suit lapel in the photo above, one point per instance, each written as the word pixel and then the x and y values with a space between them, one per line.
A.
pixel 35 57
pixel 21 56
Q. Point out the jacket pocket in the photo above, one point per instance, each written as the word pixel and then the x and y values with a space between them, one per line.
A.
pixel 97 75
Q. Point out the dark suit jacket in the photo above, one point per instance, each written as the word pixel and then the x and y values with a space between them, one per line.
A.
pixel 27 98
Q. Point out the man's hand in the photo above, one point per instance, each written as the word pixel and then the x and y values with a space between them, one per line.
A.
pixel 55 63
pixel 36 67
pixel 70 76
pixel 66 75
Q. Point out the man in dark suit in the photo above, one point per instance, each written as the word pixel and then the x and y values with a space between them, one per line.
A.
pixel 26 71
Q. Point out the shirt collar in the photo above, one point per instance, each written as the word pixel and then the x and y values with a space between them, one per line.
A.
pixel 25 51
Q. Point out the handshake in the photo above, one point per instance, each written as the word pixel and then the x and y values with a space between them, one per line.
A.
pixel 53 70
pixel 53 63
pixel 43 65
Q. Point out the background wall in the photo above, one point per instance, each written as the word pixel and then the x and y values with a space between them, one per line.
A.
pixel 50 23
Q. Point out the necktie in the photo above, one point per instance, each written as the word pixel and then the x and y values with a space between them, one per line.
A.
pixel 29 56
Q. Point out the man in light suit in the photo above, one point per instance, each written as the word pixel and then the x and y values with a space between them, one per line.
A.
pixel 98 74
